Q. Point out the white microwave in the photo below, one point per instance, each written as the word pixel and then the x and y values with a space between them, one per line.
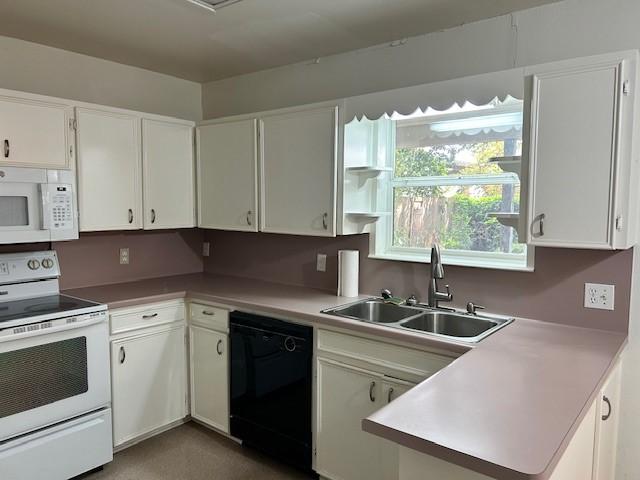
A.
pixel 37 205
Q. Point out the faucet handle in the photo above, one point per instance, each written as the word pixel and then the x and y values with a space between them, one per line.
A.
pixel 386 294
pixel 449 294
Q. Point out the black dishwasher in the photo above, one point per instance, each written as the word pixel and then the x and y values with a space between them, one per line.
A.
pixel 271 386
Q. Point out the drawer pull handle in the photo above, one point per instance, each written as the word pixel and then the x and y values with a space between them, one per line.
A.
pixel 153 315
pixel 123 355
pixel 249 217
pixel 219 347
pixel 7 148
pixel 208 312
pixel 153 215
pixel 130 216
pixel 389 395
pixel 324 221
pixel 608 414
pixel 372 394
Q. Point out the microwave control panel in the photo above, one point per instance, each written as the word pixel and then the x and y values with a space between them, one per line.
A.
pixel 61 207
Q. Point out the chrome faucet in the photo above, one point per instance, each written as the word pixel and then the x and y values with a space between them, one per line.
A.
pixel 437 273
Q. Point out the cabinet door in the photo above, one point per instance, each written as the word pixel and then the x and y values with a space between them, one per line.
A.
pixel 35 133
pixel 391 389
pixel 209 377
pixel 149 376
pixel 574 136
pixel 577 460
pixel 109 183
pixel 608 419
pixel 299 151
pixel 346 396
pixel 227 176
pixel 168 175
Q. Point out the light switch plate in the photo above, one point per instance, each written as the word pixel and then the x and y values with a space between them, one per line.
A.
pixel 321 262
pixel 599 296
pixel 124 256
pixel 206 249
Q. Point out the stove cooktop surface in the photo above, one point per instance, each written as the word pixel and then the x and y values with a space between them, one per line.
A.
pixel 26 309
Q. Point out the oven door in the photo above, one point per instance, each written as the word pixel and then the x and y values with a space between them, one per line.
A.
pixel 52 375
pixel 21 213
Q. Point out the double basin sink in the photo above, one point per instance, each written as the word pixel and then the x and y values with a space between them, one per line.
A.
pixel 467 327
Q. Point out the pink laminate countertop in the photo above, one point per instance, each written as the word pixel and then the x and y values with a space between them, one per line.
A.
pixel 506 408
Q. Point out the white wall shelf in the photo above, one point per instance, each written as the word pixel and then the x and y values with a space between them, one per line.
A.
pixel 507 219
pixel 511 164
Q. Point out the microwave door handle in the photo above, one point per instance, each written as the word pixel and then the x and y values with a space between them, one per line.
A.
pixel 46 207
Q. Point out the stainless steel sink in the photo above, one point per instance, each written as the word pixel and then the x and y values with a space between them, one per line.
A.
pixel 439 322
pixel 450 324
pixel 376 311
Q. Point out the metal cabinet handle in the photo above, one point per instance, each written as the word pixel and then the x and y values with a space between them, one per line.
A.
pixel 219 347
pixel 208 312
pixel 153 215
pixel 372 395
pixel 7 148
pixel 123 355
pixel 389 395
pixel 608 414
pixel 152 315
pixel 130 216
pixel 325 216
pixel 249 217
pixel 540 219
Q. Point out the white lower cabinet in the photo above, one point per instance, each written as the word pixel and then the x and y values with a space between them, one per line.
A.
pixel 347 395
pixel 149 375
pixel 355 378
pixel 209 377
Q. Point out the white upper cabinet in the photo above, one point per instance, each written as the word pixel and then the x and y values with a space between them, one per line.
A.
pixel 35 133
pixel 227 175
pixel 109 180
pixel 298 171
pixel 168 174
pixel 580 141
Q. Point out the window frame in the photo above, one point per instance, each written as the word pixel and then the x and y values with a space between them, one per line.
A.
pixel 381 237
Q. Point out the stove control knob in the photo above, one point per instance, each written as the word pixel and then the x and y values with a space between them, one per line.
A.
pixel 47 263
pixel 33 264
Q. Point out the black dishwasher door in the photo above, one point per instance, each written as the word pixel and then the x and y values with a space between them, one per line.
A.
pixel 271 386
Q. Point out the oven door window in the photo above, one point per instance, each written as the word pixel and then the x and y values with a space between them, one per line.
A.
pixel 14 211
pixel 43 374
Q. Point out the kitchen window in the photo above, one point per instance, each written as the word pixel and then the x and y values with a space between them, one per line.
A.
pixel 453 179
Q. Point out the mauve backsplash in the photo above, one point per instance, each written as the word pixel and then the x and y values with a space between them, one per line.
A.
pixel 554 292
pixel 94 259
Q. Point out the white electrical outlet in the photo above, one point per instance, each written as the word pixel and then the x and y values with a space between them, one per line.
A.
pixel 321 262
pixel 599 296
pixel 206 248
pixel 124 256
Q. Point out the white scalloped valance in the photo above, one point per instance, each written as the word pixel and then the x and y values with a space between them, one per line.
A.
pixel 476 89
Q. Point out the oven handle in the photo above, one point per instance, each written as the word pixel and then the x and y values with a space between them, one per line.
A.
pixel 46 331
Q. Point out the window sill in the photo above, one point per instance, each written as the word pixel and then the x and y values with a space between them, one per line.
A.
pixel 492 264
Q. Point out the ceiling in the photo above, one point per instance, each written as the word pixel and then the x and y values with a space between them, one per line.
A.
pixel 187 41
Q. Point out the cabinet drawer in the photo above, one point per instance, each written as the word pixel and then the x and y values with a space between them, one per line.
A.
pixel 210 317
pixel 380 356
pixel 135 318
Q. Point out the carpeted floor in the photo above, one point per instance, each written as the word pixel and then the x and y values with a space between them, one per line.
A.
pixel 191 452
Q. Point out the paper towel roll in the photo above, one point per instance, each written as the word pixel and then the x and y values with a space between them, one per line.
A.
pixel 348 271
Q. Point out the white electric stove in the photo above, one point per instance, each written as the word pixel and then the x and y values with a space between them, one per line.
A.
pixel 55 415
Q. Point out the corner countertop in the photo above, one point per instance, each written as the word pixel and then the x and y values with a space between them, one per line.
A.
pixel 507 407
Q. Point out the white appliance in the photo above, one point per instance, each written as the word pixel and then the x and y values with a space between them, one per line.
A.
pixel 37 205
pixel 55 395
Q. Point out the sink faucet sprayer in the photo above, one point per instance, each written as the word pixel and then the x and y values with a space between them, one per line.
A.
pixel 437 273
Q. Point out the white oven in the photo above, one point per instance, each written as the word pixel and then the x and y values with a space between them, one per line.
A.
pixel 52 371
pixel 37 205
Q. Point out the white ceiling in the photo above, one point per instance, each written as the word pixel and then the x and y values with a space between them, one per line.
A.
pixel 178 38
